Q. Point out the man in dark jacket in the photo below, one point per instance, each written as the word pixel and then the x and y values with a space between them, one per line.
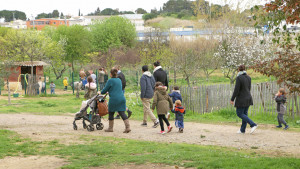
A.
pixel 147 83
pixel 243 99
pixel 121 76
pixel 159 74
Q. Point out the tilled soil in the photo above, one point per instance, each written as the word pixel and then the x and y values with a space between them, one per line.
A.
pixel 265 139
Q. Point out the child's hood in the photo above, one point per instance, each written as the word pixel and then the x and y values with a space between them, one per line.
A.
pixel 180 109
pixel 162 90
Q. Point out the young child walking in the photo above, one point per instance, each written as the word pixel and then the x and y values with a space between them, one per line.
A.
pixel 179 112
pixel 52 87
pixel 163 103
pixel 281 100
pixel 65 84
pixel 175 95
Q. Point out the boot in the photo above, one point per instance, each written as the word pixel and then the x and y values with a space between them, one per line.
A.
pixel 110 127
pixel 129 113
pixel 127 126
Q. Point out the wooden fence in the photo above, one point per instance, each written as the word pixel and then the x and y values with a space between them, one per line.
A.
pixel 208 98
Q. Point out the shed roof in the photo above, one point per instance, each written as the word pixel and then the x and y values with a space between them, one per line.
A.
pixel 29 63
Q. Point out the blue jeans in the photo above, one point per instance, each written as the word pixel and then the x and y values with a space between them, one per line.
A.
pixel 242 112
pixel 52 91
pixel 179 124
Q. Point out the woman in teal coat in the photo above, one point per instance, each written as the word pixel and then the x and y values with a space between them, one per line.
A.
pixel 117 101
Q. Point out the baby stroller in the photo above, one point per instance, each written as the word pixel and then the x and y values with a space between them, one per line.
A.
pixel 94 116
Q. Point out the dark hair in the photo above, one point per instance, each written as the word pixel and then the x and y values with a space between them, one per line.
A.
pixel 145 68
pixel 157 63
pixel 282 91
pixel 158 84
pixel 176 88
pixel 114 72
pixel 242 68
pixel 51 81
pixel 90 79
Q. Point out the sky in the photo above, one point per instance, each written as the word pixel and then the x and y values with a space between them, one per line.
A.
pixel 71 7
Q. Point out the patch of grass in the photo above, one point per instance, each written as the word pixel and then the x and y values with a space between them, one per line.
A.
pixel 12 145
pixel 103 151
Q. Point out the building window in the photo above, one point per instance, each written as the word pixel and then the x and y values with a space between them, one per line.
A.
pixel 47 23
pixel 54 23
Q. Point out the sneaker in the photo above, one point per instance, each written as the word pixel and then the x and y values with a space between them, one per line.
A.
pixel 155 124
pixel 144 124
pixel 169 128
pixel 239 132
pixel 162 132
pixel 168 116
pixel 180 130
pixel 286 127
pixel 253 129
pixel 129 113
pixel 117 117
pixel 279 126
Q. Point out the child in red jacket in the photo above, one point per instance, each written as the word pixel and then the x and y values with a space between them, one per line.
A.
pixel 179 112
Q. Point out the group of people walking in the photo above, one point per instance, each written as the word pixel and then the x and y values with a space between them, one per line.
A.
pixel 154 90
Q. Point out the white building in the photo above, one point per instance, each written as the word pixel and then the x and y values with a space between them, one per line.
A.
pixel 85 20
pixel 137 20
pixel 17 24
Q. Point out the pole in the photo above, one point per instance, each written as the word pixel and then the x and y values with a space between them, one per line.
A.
pixel 97 80
pixel 45 85
pixel 25 87
pixel 73 81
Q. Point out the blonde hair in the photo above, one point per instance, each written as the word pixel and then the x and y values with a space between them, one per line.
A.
pixel 178 103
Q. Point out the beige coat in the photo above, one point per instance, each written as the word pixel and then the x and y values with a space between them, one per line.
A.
pixel 162 101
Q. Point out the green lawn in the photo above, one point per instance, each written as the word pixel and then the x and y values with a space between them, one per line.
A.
pixel 103 151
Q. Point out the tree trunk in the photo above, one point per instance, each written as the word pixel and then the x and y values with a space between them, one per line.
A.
pixel 174 73
pixel 8 99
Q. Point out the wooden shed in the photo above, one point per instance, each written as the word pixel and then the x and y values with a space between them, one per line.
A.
pixel 20 69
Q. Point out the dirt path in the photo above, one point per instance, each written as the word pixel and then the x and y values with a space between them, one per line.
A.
pixel 267 140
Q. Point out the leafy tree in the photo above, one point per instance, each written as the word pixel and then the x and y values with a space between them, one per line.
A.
pixel 201 9
pixel 79 12
pixel 77 42
pixel 7 66
pixel 8 15
pixel 284 64
pixel 149 16
pixel 43 15
pixel 140 11
pixel 55 13
pixel 126 12
pixel 61 15
pixel 27 45
pixel 113 32
pixel 109 11
pixel 97 12
pixel 236 49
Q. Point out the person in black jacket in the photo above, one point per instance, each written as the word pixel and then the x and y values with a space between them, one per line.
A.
pixel 159 74
pixel 243 99
pixel 121 76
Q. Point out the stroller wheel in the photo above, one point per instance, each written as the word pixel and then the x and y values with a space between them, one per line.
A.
pixel 100 126
pixel 74 126
pixel 90 128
